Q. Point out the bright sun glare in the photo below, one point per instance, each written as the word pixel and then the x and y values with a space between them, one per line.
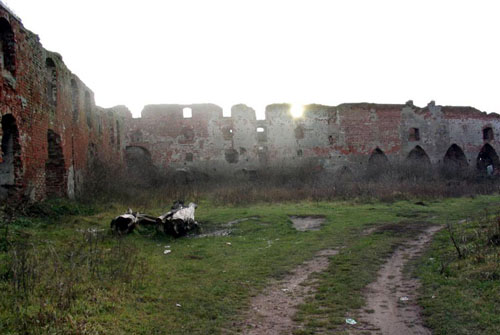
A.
pixel 296 110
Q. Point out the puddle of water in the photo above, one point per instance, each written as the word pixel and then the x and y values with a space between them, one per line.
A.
pixel 305 223
pixel 226 228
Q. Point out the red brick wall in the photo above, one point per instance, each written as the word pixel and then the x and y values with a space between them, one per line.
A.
pixel 24 94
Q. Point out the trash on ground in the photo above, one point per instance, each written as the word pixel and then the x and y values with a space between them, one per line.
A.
pixel 176 222
pixel 179 220
pixel 166 252
pixel 350 321
pixel 404 299
pixel 178 305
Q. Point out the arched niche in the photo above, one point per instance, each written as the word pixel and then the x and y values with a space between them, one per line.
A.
pixel 10 157
pixel 487 156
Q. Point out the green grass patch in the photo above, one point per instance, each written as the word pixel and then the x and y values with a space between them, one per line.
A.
pixel 461 294
pixel 63 272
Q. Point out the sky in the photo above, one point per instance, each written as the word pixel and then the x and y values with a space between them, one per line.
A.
pixel 256 52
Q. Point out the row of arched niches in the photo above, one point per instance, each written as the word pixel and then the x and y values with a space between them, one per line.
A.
pixel 454 158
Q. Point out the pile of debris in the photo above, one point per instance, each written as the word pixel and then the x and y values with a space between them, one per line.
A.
pixel 177 222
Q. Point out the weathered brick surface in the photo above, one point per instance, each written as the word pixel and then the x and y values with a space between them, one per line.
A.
pixel 42 94
pixel 326 137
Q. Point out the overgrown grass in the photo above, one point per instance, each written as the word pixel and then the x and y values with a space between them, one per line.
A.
pixel 461 278
pixel 80 279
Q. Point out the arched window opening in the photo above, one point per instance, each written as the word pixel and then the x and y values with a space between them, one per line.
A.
pixel 7 47
pixel 54 167
pixel 455 158
pixel 377 163
pixel 418 157
pixel 51 79
pixel 378 158
pixel 488 134
pixel 74 99
pixel 9 159
pixel 487 160
pixel 88 109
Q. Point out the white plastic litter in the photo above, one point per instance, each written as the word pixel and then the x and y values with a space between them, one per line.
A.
pixel 186 213
pixel 350 321
pixel 228 243
pixel 404 299
pixel 166 252
pixel 178 305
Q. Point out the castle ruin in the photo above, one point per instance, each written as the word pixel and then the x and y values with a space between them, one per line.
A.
pixel 52 130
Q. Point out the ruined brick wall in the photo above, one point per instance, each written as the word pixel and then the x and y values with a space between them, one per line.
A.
pixel 51 131
pixel 49 119
pixel 326 137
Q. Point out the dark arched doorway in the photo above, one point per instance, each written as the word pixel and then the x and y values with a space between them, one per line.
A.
pixel 378 159
pixel 378 163
pixel 487 156
pixel 418 157
pixel 55 172
pixel 10 159
pixel 455 157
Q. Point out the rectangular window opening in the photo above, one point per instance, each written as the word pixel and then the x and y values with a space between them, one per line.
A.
pixel 414 134
pixel 187 112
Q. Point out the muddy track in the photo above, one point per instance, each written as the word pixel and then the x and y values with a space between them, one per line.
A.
pixel 271 312
pixel 391 301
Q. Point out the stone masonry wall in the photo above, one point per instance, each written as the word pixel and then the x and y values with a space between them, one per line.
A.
pixel 325 138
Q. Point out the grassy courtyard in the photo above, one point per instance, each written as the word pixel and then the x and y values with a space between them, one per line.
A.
pixel 63 272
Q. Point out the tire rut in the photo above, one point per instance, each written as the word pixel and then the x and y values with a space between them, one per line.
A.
pixel 391 301
pixel 272 311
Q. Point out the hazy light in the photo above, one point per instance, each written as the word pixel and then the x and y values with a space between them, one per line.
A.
pixel 231 52
pixel 187 112
pixel 296 110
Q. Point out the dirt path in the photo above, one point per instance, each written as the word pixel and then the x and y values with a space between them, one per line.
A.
pixel 391 304
pixel 271 312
